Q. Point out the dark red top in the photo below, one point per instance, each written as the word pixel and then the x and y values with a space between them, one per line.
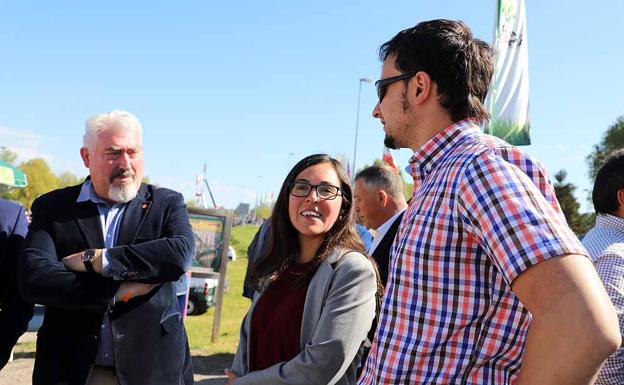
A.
pixel 276 319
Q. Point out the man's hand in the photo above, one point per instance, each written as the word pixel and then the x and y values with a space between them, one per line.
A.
pixel 231 376
pixel 74 262
pixel 129 290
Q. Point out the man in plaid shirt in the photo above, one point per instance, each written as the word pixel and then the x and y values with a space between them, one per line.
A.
pixel 487 283
pixel 605 243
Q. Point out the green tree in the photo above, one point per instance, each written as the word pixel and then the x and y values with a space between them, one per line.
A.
pixel 569 205
pixel 408 190
pixel 40 180
pixel 588 220
pixel 8 156
pixel 263 211
pixel 612 140
pixel 67 179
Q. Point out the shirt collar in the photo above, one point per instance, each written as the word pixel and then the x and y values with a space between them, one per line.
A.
pixel 381 231
pixel 611 221
pixel 426 157
pixel 87 193
pixel 386 225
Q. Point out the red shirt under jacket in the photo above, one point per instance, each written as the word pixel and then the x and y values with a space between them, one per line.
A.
pixel 276 319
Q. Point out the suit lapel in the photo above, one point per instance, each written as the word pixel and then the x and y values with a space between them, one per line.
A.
pixel 389 236
pixel 381 254
pixel 88 221
pixel 134 216
pixel 316 295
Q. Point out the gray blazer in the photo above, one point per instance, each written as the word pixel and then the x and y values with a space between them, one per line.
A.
pixel 338 311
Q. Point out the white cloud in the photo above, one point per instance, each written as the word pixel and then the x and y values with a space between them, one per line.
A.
pixel 74 166
pixel 29 145
pixel 23 142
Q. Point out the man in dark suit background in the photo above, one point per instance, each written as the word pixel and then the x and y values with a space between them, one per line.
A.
pixel 103 257
pixel 379 205
pixel 14 311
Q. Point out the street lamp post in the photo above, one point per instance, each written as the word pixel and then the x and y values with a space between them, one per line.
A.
pixel 258 192
pixel 357 121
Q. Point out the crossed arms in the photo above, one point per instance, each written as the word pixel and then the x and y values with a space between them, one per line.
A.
pixel 47 280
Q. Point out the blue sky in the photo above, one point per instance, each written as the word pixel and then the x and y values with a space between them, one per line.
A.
pixel 242 85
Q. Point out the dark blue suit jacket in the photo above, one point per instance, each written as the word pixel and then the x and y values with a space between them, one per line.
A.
pixel 155 245
pixel 14 311
pixel 381 254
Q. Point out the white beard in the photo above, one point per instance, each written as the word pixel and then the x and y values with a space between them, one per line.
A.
pixel 122 194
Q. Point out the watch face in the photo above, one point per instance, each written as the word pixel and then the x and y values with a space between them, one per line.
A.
pixel 88 255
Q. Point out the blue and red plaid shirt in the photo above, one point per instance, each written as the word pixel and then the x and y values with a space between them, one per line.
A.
pixel 482 213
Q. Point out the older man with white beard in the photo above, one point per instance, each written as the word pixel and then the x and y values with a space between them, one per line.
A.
pixel 103 257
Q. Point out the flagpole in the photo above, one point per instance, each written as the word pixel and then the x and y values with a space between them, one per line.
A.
pixel 496 18
pixel 508 96
pixel 357 119
pixel 490 100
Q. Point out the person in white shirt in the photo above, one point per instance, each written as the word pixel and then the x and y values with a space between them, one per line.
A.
pixel 605 243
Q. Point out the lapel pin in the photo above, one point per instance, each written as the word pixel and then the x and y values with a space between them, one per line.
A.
pixel 144 205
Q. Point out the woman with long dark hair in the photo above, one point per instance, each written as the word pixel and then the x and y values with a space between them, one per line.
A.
pixel 316 287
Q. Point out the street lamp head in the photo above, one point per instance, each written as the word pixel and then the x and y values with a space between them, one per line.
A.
pixel 366 80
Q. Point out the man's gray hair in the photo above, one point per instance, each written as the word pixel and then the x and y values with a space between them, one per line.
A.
pixel 109 120
pixel 382 177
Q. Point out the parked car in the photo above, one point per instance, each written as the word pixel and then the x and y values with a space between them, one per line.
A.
pixel 231 253
pixel 202 295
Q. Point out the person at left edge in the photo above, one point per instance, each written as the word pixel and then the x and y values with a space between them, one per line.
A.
pixel 14 311
pixel 103 257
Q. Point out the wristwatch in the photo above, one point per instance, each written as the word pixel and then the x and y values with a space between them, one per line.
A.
pixel 87 258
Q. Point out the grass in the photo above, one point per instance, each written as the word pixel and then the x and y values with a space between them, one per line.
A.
pixel 199 328
pixel 25 347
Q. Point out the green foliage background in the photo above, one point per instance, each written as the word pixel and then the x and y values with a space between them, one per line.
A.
pixel 613 139
pixel 235 306
pixel 579 222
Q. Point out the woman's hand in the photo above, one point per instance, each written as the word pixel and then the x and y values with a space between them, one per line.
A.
pixel 231 376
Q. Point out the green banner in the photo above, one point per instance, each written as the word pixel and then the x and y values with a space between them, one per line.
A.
pixel 12 176
pixel 508 98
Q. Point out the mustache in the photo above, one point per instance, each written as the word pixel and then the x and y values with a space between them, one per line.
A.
pixel 121 173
